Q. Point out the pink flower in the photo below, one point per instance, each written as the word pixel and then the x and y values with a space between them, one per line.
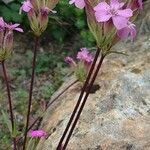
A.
pixel 114 11
pixel 84 55
pixel 2 23
pixel 37 133
pixel 78 3
pixel 127 31
pixel 69 60
pixel 26 6
pixel 13 27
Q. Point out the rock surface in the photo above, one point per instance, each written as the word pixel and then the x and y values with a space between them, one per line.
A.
pixel 115 117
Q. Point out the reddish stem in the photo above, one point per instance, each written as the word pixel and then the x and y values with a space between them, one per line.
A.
pixel 10 103
pixel 83 102
pixel 31 91
pixel 79 100
pixel 39 118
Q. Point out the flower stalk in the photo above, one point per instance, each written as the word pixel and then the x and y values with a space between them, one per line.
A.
pixel 10 104
pixel 85 86
pixel 31 91
pixel 83 102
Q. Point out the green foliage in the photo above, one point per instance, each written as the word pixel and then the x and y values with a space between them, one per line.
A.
pixel 21 97
pixel 7 121
pixel 10 12
pixel 47 90
pixel 67 24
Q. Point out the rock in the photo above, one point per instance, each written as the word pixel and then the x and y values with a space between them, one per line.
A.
pixel 115 117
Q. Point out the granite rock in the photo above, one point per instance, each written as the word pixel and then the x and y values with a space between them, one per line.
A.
pixel 117 115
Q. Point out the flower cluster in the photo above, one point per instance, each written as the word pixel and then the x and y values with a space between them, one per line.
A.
pixel 37 133
pixel 38 12
pixel 82 65
pixel 110 20
pixel 6 38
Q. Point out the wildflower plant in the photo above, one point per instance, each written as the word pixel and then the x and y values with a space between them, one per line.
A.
pixel 110 21
pixel 6 39
pixel 6 49
pixel 35 136
pixel 81 65
pixel 37 12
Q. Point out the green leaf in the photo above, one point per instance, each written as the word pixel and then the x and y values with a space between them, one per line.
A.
pixel 15 7
pixel 7 121
pixel 14 131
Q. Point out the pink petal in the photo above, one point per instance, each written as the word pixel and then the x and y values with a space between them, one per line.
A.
pixel 78 3
pixel 14 25
pixel 127 31
pixel 123 33
pixel 125 13
pixel 103 6
pixel 27 6
pixel 19 29
pixel 119 22
pixel 2 23
pixel 102 16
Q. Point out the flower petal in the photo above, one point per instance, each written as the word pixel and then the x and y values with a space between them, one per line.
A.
pixel 19 29
pixel 102 16
pixel 78 3
pixel 125 13
pixel 123 33
pixel 103 6
pixel 119 22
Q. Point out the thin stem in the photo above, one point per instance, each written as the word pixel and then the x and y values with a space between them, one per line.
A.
pixel 61 93
pixel 31 91
pixel 10 103
pixel 39 118
pixel 83 102
pixel 59 147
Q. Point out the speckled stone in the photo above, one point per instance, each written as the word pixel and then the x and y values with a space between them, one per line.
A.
pixel 115 117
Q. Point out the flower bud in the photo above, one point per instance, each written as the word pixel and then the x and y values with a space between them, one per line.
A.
pixel 70 61
pixel 38 11
pixel 82 66
pixel 6 49
pixel 43 18
pixel 6 39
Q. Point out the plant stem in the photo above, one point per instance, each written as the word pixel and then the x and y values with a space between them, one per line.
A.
pixel 59 147
pixel 31 91
pixel 9 102
pixel 61 93
pixel 83 102
pixel 39 118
